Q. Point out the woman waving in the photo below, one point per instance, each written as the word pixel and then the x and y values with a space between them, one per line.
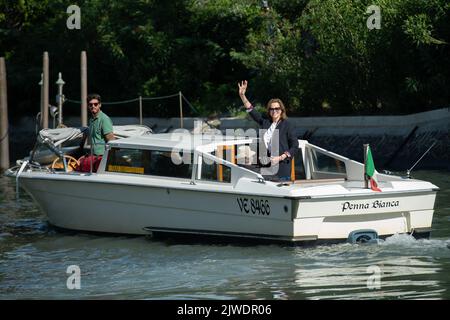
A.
pixel 279 136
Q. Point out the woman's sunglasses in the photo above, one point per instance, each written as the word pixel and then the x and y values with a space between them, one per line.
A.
pixel 274 109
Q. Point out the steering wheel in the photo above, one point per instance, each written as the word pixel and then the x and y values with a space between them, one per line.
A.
pixel 72 163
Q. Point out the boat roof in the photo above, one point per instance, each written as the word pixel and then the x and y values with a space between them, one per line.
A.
pixel 185 141
pixel 57 136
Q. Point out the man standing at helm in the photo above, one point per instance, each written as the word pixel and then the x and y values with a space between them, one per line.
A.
pixel 100 132
pixel 100 125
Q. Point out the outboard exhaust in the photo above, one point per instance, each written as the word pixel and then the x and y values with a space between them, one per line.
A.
pixel 365 236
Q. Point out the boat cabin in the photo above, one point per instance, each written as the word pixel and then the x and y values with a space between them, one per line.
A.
pixel 216 159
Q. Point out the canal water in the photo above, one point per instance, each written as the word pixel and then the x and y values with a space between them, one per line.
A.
pixel 35 260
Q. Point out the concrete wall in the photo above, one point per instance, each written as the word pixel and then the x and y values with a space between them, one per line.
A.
pixel 396 141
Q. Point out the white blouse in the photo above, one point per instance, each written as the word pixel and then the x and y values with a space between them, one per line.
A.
pixel 268 136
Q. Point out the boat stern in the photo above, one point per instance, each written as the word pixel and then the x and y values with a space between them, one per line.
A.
pixel 335 218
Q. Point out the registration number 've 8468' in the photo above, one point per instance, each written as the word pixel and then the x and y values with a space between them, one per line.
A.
pixel 254 206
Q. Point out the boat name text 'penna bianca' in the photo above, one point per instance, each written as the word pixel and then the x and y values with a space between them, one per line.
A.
pixel 374 205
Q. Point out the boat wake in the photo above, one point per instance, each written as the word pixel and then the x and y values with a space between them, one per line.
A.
pixel 408 241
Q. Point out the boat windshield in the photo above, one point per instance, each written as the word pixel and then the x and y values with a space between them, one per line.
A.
pixel 325 166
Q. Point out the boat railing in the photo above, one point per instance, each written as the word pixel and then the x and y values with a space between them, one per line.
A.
pixel 237 172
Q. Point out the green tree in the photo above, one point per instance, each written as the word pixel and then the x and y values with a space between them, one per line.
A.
pixel 316 55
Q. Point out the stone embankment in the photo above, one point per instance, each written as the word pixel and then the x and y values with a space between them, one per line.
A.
pixel 397 142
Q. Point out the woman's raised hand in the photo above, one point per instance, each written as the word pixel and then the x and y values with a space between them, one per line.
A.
pixel 242 87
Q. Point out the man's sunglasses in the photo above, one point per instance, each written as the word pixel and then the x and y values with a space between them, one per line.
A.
pixel 93 104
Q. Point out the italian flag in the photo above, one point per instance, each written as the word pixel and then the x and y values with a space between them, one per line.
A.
pixel 371 172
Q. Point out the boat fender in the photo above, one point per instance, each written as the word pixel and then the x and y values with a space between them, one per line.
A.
pixel 22 167
pixel 363 236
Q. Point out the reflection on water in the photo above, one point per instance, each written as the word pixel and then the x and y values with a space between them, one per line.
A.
pixel 34 260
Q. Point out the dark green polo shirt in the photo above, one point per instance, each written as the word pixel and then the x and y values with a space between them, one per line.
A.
pixel 98 128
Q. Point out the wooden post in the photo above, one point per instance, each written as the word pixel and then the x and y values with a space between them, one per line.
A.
pixel 181 109
pixel 366 181
pixel 83 89
pixel 140 110
pixel 45 96
pixel 4 130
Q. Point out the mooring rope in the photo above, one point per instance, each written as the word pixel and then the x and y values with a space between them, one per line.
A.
pixel 143 99
pixel 110 103
pixel 189 104
pixel 162 97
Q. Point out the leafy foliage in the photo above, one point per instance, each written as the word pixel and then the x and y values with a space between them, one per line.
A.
pixel 316 55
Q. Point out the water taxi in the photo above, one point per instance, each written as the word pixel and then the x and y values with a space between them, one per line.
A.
pixel 197 184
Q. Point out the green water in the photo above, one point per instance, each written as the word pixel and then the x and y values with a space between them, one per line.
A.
pixel 34 259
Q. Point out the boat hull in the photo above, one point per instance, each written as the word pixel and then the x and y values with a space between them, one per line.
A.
pixel 91 205
pixel 128 209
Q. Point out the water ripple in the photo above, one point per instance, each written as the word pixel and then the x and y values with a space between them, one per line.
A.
pixel 34 260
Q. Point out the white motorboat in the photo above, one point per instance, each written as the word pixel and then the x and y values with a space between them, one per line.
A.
pixel 193 185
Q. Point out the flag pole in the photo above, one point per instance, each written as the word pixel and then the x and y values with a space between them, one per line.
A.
pixel 366 181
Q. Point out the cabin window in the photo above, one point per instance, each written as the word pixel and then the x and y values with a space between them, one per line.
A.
pixel 126 161
pixel 162 164
pixel 215 172
pixel 325 166
pixel 147 162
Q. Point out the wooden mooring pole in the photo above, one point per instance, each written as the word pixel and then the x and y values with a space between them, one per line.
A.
pixel 83 89
pixel 4 130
